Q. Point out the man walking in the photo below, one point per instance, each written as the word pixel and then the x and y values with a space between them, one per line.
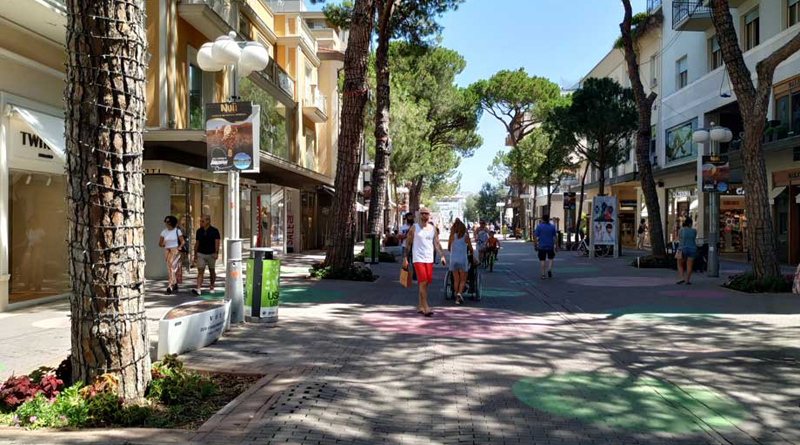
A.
pixel 206 252
pixel 545 241
pixel 422 241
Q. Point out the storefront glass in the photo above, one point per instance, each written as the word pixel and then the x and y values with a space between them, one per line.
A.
pixel 732 222
pixel 37 231
pixel 682 202
pixel 245 217
pixel 190 199
pixel 277 211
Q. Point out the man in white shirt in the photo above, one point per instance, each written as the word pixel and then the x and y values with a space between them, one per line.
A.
pixel 422 240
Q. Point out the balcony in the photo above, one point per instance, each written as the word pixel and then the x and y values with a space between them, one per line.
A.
pixel 213 18
pixel 653 6
pixel 314 106
pixel 731 3
pixel 691 15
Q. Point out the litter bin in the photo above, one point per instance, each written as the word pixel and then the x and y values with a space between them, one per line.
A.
pixel 371 249
pixel 262 287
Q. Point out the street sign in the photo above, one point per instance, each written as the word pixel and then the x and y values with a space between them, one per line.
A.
pixel 569 200
pixel 716 173
pixel 232 137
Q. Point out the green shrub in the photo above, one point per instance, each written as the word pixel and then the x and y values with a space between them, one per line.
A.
pixel 747 282
pixel 72 406
pixel 104 408
pixel 38 412
pixel 383 257
pixel 354 273
pixel 173 385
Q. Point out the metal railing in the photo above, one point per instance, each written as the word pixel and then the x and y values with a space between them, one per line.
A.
pixel 652 5
pixel 275 74
pixel 687 8
pixel 228 10
pixel 315 99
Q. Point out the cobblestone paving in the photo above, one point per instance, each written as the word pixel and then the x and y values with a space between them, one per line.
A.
pixel 550 362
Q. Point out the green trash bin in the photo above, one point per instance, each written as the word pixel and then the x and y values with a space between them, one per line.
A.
pixel 262 287
pixel 371 249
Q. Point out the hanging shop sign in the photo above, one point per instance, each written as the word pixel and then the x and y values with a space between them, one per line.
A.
pixel 232 137
pixel 716 174
pixel 569 200
pixel 604 220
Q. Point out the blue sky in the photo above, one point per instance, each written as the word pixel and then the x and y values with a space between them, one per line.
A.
pixel 558 39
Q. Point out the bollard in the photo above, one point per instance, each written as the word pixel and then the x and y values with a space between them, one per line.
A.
pixel 233 280
pixel 262 287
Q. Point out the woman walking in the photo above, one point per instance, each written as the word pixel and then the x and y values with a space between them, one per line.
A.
pixel 459 245
pixel 687 251
pixel 172 241
pixel 642 232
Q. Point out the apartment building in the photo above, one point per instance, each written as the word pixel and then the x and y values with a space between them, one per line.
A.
pixel 681 61
pixel 286 206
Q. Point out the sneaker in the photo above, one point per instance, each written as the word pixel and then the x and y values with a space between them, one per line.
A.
pixel 211 289
pixel 169 290
pixel 196 291
pixel 549 274
pixel 544 277
pixel 175 288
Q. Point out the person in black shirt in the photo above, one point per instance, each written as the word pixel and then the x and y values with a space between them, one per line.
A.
pixel 206 252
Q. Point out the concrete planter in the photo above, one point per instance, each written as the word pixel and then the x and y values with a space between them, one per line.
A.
pixel 191 326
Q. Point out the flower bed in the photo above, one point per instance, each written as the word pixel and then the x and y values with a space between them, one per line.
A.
pixel 175 398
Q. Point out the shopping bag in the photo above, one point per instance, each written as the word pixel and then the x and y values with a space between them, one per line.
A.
pixel 405 277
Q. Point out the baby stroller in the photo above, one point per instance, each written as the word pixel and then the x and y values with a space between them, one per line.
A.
pixel 474 285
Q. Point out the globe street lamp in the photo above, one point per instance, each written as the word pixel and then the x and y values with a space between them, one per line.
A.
pixel 715 135
pixel 242 58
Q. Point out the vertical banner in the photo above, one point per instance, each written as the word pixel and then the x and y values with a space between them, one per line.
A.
pixel 232 139
pixel 290 222
pixel 268 292
pixel 604 220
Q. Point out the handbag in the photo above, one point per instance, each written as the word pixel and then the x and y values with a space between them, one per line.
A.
pixel 405 277
pixel 679 254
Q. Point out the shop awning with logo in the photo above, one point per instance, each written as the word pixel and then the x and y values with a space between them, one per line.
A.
pixel 49 129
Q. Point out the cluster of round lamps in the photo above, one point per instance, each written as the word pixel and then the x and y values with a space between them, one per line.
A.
pixel 226 51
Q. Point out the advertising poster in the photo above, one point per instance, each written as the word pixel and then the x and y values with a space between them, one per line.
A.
pixel 270 288
pixel 716 174
pixel 604 220
pixel 569 200
pixel 232 141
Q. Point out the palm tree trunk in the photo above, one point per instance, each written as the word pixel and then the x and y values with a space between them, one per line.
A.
pixel 351 136
pixel 378 201
pixel 105 117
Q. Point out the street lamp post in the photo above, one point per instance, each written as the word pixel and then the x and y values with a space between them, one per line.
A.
pixel 524 197
pixel 567 183
pixel 241 58
pixel 715 135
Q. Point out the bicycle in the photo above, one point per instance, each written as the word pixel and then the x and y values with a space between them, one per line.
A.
pixel 489 259
pixel 600 251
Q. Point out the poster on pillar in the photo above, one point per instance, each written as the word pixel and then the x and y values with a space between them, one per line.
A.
pixel 604 220
pixel 232 137
pixel 716 174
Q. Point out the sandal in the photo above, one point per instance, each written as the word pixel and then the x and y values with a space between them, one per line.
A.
pixel 459 299
pixel 429 314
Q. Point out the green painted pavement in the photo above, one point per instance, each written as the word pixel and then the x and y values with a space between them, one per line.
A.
pixel 298 294
pixel 635 404
pixel 654 312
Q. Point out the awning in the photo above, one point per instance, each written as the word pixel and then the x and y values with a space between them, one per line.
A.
pixel 331 191
pixel 775 193
pixel 49 128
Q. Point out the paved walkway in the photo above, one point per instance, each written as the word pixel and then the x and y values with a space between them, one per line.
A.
pixel 602 353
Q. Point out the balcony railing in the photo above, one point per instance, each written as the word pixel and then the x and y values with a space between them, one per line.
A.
pixel 315 99
pixel 682 10
pixel 279 77
pixel 228 10
pixel 652 5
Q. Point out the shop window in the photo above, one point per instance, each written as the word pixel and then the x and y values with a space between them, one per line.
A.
pixel 679 142
pixel 311 152
pixel 245 217
pixel 782 111
pixel 682 73
pixel 275 128
pixel 37 224
pixel 796 112
pixel 196 121
pixel 752 29
pixel 213 203
pixel 793 11
pixel 682 203
pixel 277 211
pixel 714 54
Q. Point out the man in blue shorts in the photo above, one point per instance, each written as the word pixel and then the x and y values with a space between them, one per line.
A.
pixel 545 237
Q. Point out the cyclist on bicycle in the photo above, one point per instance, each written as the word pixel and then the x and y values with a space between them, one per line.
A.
pixel 481 238
pixel 493 244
